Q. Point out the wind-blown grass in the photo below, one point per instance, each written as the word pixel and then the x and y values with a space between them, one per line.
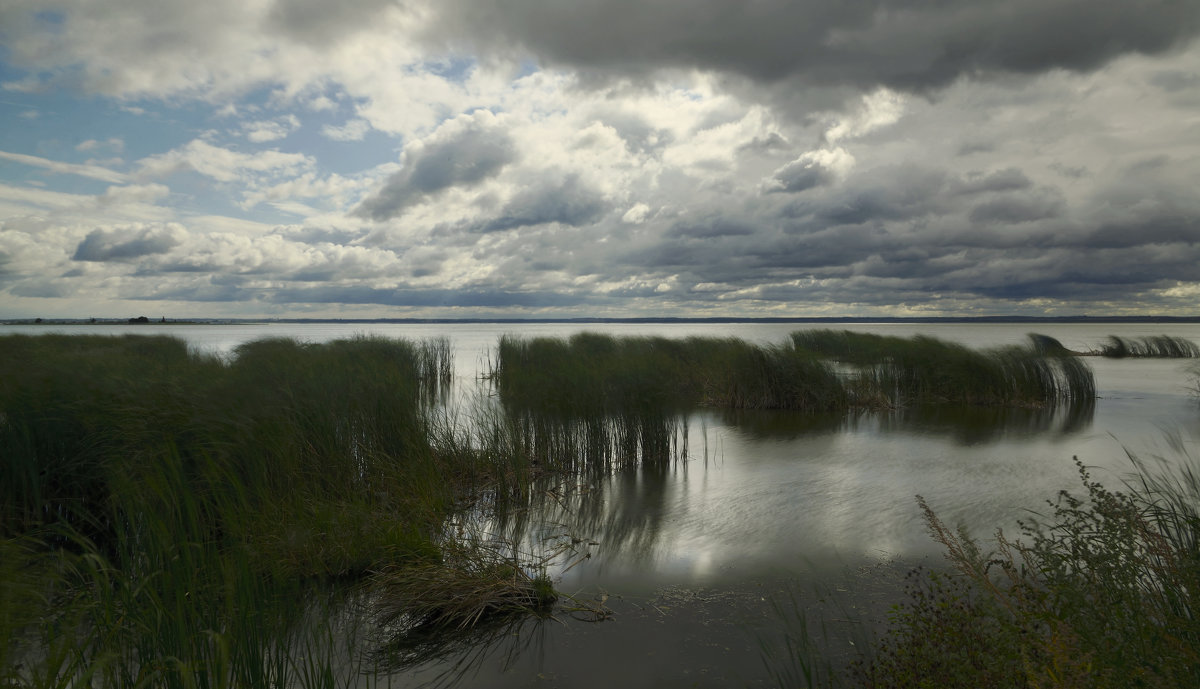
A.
pixel 1154 346
pixel 590 373
pixel 597 403
pixel 1099 593
pixel 601 403
pixel 896 371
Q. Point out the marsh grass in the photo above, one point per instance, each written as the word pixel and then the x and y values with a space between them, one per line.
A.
pixel 893 371
pixel 1154 346
pixel 1099 592
pixel 167 517
pixel 591 374
pixel 593 404
pixel 633 382
pixel 470 582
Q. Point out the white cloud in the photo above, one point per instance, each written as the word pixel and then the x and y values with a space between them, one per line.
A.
pixel 353 130
pixel 222 164
pixel 271 130
pixel 133 193
pixel 876 110
pixel 58 167
pixel 114 145
pixel 322 104
pixel 637 214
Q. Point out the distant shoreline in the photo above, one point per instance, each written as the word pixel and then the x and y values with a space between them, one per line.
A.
pixel 648 320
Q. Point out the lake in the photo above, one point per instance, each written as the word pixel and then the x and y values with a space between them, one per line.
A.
pixel 689 561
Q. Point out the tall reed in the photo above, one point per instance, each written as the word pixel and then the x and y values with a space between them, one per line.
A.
pixel 1100 592
pixel 598 403
pixel 166 517
pixel 1154 346
pixel 896 371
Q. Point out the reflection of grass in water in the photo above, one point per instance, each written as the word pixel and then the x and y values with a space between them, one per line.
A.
pixel 594 404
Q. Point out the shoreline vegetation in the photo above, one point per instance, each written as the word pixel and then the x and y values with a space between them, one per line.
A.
pixel 1098 591
pixel 173 518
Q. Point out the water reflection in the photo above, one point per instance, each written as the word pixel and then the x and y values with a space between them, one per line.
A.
pixel 963 424
pixel 445 656
pixel 791 485
pixel 968 425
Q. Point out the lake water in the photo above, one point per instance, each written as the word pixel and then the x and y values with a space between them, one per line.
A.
pixel 689 560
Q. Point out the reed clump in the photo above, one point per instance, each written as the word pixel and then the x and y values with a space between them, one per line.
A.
pixel 896 371
pixel 600 403
pixel 590 373
pixel 597 403
pixel 167 516
pixel 1154 346
pixel 468 583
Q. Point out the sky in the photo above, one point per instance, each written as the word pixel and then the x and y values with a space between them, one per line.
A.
pixel 599 158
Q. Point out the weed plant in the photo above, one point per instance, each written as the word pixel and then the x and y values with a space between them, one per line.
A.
pixel 1097 593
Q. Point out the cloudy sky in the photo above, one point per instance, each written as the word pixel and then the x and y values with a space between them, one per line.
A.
pixel 467 158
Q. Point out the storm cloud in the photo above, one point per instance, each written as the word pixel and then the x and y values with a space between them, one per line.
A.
pixel 462 152
pixel 898 43
pixel 126 243
pixel 601 157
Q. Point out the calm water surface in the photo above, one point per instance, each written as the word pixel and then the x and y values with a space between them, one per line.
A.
pixel 689 559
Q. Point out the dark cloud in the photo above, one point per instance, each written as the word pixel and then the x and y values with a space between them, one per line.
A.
pixel 1014 210
pixel 319 22
pixel 1009 179
pixel 467 297
pixel 570 202
pixel 1176 80
pixel 1159 229
pixel 801 175
pixel 907 44
pixel 126 243
pixel 710 228
pixel 463 152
